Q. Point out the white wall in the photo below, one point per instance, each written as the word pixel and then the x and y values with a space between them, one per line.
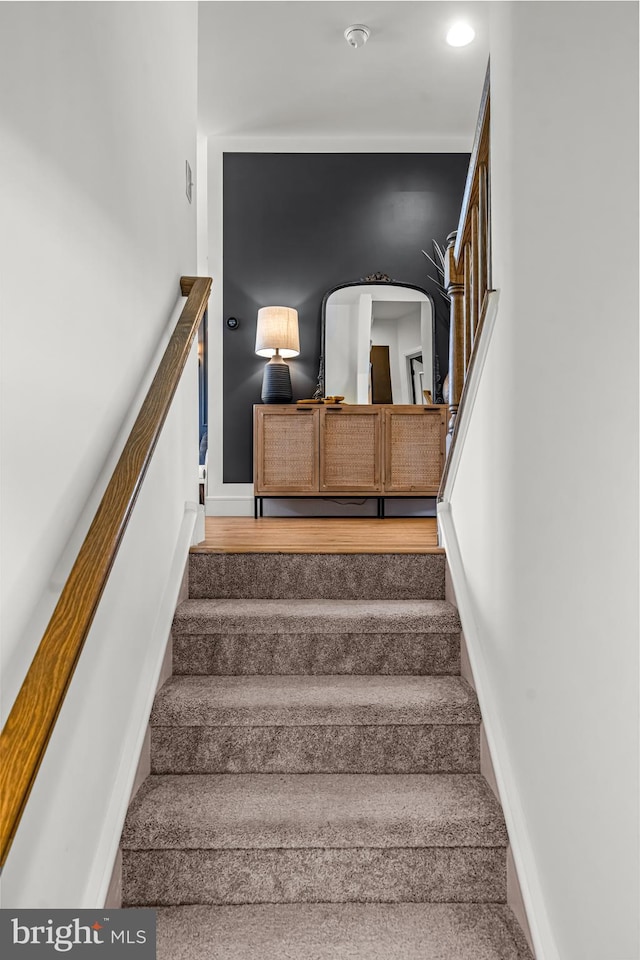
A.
pixel 98 114
pixel 408 342
pixel 341 349
pixel 545 505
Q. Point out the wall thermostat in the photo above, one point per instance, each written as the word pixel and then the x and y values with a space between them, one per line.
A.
pixel 233 323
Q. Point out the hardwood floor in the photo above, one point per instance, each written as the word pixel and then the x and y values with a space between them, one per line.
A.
pixel 319 535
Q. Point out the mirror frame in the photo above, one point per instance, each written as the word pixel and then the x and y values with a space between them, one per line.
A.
pixel 437 383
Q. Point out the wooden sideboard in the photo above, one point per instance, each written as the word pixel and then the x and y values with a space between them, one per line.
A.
pixel 379 450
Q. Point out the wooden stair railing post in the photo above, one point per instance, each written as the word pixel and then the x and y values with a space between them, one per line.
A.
pixel 454 281
pixel 468 328
pixel 483 235
pixel 475 292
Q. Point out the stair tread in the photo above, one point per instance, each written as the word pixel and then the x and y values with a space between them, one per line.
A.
pixel 197 701
pixel 348 931
pixel 248 811
pixel 315 616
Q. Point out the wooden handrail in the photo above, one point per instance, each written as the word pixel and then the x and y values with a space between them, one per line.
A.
pixel 30 724
pixel 479 157
pixel 468 264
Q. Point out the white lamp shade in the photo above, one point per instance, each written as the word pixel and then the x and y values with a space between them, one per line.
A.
pixel 277 330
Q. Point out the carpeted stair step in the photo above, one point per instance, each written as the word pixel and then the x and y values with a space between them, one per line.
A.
pixel 271 838
pixel 353 931
pixel 323 724
pixel 234 637
pixel 273 576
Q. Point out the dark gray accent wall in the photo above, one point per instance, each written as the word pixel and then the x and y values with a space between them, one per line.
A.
pixel 295 225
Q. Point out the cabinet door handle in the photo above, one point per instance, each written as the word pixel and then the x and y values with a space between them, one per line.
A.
pixel 332 409
pixel 303 410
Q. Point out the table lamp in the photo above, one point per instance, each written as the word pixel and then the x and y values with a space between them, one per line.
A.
pixel 277 337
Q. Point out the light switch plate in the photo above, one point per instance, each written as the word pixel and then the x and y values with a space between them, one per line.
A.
pixel 189 182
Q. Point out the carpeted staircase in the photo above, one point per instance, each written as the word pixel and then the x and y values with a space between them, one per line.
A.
pixel 315 790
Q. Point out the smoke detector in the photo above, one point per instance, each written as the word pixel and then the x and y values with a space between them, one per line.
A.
pixel 357 35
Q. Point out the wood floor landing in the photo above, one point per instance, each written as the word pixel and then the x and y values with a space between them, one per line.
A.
pixel 319 535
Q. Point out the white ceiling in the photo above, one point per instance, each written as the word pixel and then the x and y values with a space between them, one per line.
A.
pixel 284 69
pixel 395 310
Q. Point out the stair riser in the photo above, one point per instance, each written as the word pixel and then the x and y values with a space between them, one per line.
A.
pixel 317 576
pixel 293 654
pixel 352 931
pixel 439 875
pixel 450 748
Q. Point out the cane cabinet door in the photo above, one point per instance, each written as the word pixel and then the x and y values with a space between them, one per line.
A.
pixel 286 449
pixel 414 444
pixel 350 449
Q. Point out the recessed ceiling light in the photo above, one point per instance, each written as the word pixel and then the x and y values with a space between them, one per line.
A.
pixel 460 34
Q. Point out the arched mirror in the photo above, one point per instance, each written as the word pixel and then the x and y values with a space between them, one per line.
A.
pixel 378 344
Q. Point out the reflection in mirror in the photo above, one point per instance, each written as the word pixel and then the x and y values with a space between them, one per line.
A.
pixel 378 344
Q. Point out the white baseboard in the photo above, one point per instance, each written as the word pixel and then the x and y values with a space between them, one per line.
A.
pixel 199 531
pixel 230 506
pixel 108 842
pixel 520 841
pixel 239 505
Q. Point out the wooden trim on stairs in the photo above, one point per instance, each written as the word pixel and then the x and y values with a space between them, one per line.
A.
pixel 470 388
pixel 468 261
pixel 479 158
pixel 30 724
pixel 186 284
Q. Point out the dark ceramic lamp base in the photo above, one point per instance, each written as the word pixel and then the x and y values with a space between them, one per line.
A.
pixel 276 383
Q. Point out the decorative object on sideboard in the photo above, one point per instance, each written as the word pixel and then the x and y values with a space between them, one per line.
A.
pixel 438 253
pixel 277 337
pixel 319 392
